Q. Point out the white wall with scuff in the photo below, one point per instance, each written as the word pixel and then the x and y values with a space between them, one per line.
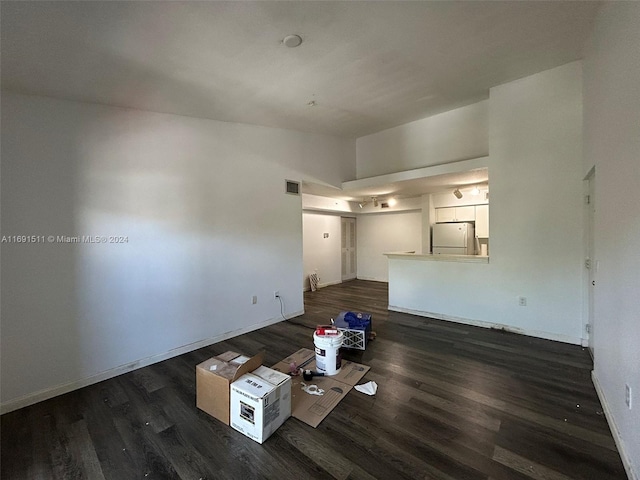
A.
pixel 535 140
pixel 207 226
pixel 612 145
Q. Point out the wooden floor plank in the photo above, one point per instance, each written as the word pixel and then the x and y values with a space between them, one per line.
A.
pixel 454 402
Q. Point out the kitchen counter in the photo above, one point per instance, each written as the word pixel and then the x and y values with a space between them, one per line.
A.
pixel 429 257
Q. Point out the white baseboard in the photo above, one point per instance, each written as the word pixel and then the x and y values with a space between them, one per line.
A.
pixel 322 285
pixel 48 393
pixel 626 461
pixel 499 326
pixel 372 279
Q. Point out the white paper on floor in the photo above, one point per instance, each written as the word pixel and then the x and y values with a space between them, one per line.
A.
pixel 369 388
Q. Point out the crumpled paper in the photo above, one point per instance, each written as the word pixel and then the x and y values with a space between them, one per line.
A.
pixel 369 388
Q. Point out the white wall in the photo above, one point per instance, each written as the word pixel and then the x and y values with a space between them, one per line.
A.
pixel 612 144
pixel 383 233
pixel 536 246
pixel 326 204
pixel 202 204
pixel 459 134
pixel 321 255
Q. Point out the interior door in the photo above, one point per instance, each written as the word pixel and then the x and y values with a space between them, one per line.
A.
pixel 591 263
pixel 348 254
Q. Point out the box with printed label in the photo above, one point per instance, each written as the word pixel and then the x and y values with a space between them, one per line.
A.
pixel 214 378
pixel 260 403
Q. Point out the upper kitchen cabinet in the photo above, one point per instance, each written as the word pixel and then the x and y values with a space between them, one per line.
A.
pixel 456 214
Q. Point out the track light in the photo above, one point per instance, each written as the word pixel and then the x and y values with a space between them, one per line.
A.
pixel 475 190
pixel 375 201
pixel 362 204
pixel 457 193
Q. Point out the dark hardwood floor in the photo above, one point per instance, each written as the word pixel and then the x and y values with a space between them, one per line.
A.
pixel 454 402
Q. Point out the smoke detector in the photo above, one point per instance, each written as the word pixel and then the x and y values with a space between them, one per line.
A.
pixel 292 41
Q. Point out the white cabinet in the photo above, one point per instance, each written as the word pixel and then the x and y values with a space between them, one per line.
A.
pixel 445 215
pixel 465 214
pixel 456 214
pixel 482 221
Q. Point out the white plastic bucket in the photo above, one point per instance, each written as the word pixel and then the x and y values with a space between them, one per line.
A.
pixel 328 360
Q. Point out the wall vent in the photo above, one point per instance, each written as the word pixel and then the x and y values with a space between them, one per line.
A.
pixel 292 188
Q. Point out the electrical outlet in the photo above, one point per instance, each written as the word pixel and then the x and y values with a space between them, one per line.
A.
pixel 627 395
pixel 254 299
pixel 522 301
pixel 276 294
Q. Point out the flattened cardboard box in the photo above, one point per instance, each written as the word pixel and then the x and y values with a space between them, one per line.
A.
pixel 313 408
pixel 260 403
pixel 214 378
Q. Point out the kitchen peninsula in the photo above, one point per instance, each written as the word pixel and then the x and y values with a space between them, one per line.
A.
pixel 421 284
pixel 429 257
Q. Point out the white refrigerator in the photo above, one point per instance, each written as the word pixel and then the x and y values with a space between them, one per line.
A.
pixel 453 239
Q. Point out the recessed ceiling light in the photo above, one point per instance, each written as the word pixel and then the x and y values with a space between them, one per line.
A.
pixel 292 41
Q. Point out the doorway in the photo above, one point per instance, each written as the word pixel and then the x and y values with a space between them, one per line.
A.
pixel 348 248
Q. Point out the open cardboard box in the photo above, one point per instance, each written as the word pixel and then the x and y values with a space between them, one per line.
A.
pixel 214 378
pixel 311 408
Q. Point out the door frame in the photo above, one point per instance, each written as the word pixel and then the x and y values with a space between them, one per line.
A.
pixel 590 262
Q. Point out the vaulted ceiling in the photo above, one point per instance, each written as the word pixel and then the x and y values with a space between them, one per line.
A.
pixel 366 66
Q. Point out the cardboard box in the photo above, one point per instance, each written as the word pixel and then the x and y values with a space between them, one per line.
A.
pixel 260 403
pixel 312 401
pixel 214 378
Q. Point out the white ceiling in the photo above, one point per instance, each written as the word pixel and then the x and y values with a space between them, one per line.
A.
pixel 367 65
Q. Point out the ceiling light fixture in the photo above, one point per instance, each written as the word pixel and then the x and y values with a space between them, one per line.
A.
pixel 362 203
pixel 375 201
pixel 392 201
pixel 292 41
pixel 457 193
pixel 475 190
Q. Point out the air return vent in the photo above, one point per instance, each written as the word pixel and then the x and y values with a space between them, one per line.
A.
pixel 292 188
